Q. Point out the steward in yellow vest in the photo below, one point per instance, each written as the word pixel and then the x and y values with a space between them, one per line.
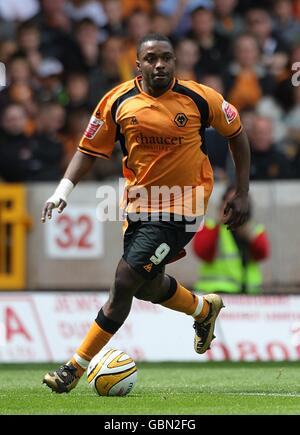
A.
pixel 230 259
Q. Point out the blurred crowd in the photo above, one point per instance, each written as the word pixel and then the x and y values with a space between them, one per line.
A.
pixel 62 56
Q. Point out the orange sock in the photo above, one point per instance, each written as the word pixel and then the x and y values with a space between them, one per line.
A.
pixel 186 302
pixel 94 341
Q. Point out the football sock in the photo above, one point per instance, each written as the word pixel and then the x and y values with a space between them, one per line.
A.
pixel 186 302
pixel 79 363
pixel 99 334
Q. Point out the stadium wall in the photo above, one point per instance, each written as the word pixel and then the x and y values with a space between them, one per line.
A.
pixel 79 253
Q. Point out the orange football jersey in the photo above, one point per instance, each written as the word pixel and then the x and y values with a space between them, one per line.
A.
pixel 162 138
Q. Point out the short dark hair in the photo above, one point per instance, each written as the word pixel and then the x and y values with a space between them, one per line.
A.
pixel 152 37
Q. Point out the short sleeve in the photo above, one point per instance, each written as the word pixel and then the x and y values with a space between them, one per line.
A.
pixel 100 135
pixel 223 116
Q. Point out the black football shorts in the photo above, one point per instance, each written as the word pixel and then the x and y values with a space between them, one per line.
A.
pixel 150 244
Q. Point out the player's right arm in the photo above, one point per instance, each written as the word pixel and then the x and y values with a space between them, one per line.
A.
pixel 79 166
pixel 97 141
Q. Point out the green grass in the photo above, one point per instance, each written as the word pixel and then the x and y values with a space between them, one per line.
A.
pixel 166 388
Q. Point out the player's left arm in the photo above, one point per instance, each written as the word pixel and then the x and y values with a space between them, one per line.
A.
pixel 236 211
pixel 225 118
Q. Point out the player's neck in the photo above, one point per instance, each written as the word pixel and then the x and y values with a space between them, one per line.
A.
pixel 154 92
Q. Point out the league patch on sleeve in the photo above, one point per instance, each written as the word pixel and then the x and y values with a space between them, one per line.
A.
pixel 229 112
pixel 94 126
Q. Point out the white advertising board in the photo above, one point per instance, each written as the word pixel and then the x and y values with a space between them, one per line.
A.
pixel 50 326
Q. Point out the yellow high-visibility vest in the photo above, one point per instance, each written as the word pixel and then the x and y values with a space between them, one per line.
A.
pixel 226 273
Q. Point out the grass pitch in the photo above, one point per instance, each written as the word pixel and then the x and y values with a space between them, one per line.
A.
pixel 164 389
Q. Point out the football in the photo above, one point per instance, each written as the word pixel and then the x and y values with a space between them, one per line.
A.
pixel 112 373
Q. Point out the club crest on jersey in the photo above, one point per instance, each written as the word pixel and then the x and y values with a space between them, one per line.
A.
pixel 229 112
pixel 94 126
pixel 180 119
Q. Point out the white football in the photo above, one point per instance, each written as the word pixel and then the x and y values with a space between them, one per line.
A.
pixel 112 373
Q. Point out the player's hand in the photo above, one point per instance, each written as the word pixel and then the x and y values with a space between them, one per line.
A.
pixel 236 211
pixel 246 231
pixel 49 206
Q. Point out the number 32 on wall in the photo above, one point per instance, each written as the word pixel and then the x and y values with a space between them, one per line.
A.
pixel 74 234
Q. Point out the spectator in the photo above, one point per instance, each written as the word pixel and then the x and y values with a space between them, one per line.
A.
pixel 230 259
pixel 177 12
pixel 26 157
pixel 213 48
pixel 51 17
pixel 78 10
pixel 259 24
pixel 246 79
pixel 19 70
pixel 22 93
pixel 8 48
pixel 161 23
pixel 20 89
pixel 267 162
pixel 108 73
pixel 285 24
pixel 115 25
pixel 268 107
pixel 214 81
pixel 51 120
pixel 284 92
pixel 228 23
pixel 29 43
pixel 187 56
pixel 278 66
pixel 55 29
pixel 88 39
pixel 77 90
pixel 137 26
pixel 51 88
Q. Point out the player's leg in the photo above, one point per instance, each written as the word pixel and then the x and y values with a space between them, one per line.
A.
pixel 166 291
pixel 203 309
pixel 171 294
pixel 113 313
pixel 110 318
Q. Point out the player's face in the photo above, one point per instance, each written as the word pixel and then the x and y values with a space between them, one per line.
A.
pixel 157 64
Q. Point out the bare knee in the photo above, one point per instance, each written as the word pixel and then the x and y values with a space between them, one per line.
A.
pixel 145 293
pixel 126 283
pixel 153 291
